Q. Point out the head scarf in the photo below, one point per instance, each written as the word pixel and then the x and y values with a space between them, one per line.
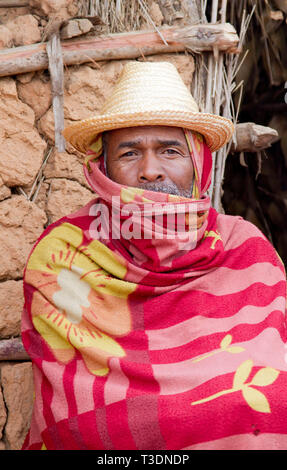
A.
pixel 117 197
pixel 199 152
pixel 140 344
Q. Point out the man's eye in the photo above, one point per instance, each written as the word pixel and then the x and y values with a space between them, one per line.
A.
pixel 172 152
pixel 131 153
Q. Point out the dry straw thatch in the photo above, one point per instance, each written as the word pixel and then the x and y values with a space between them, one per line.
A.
pixel 118 15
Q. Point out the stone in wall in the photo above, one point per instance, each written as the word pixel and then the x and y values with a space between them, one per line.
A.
pixel 66 165
pixel 25 77
pixel 55 8
pixel 5 192
pixel 36 93
pixel 21 148
pixel 11 306
pixel 7 14
pixel 75 28
pixel 24 30
pixel 17 386
pixel 6 39
pixel 66 197
pixel 21 223
pixel 86 89
pixel 46 126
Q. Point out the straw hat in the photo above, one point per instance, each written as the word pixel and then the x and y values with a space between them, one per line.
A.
pixel 150 93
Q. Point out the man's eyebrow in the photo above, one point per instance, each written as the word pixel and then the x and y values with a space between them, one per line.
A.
pixel 170 142
pixel 133 143
pixel 128 143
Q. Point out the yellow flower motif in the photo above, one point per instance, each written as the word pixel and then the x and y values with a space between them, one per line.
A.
pixel 254 398
pixel 80 297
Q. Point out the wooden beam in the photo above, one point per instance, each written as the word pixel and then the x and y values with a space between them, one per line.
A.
pixel 196 38
pixel 13 3
pixel 12 350
pixel 251 137
pixel 221 37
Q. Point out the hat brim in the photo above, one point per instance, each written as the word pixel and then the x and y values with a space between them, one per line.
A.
pixel 217 130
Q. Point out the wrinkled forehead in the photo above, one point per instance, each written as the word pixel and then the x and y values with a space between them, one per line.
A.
pixel 155 131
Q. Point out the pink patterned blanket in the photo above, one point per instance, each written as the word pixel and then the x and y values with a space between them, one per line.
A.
pixel 155 343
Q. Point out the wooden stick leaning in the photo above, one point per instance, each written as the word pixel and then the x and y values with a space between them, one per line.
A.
pixel 195 38
pixel 57 82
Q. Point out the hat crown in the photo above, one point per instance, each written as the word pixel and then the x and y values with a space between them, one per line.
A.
pixel 149 86
pixel 150 94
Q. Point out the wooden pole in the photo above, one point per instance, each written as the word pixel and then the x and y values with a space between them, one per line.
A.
pixel 253 138
pixel 56 70
pixel 12 350
pixel 196 38
pixel 13 3
pixel 196 14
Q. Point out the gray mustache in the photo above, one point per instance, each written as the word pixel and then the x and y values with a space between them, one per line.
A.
pixel 168 188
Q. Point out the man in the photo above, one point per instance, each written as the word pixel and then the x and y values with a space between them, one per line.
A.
pixel 146 333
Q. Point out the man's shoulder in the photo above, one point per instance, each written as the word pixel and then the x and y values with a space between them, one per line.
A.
pixel 235 229
pixel 247 240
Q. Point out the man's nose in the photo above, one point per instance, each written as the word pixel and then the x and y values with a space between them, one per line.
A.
pixel 150 168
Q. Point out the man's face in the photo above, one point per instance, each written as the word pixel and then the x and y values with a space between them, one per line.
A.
pixel 155 158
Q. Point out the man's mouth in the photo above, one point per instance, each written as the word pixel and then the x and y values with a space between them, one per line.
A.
pixel 168 188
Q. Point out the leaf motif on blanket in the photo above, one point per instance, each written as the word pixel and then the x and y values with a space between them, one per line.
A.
pixel 77 305
pixel 130 194
pixel 224 346
pixel 254 398
pixel 213 234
